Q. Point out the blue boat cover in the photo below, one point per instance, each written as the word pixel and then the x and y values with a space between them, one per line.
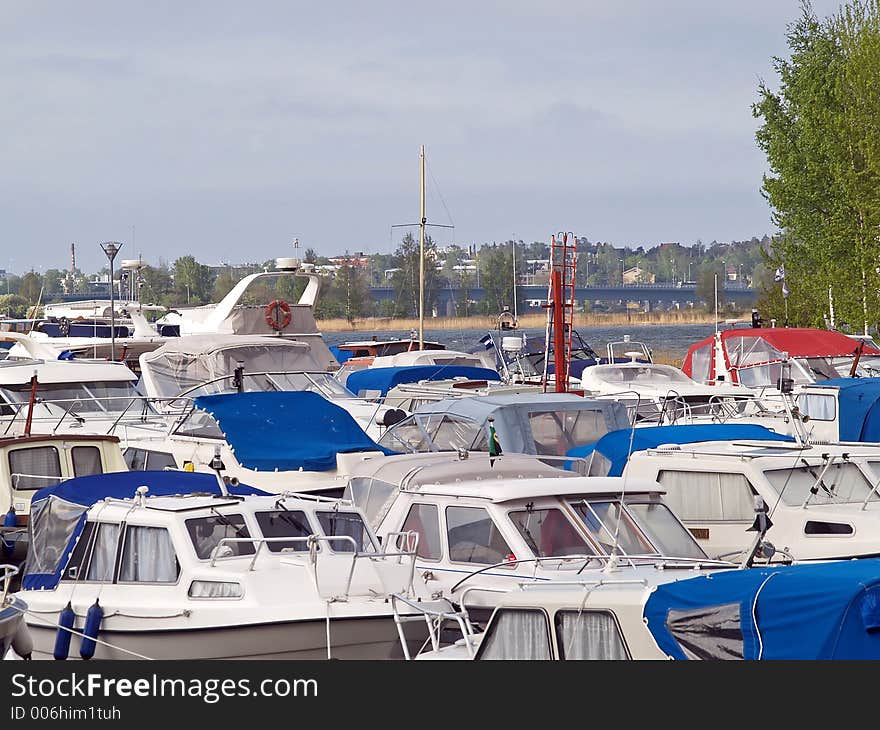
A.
pixel 340 355
pixel 616 446
pixel 858 401
pixel 828 610
pixel 384 379
pixel 286 430
pixel 122 485
pixel 58 513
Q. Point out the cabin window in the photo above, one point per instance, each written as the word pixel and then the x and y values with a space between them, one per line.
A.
pixel 285 523
pixel 612 527
pixel 665 531
pixel 143 459
pixel 515 633
pixel 86 460
pixel 473 537
pixel 207 532
pixel 344 525
pixel 817 407
pixel 408 435
pixel 589 635
pixel 709 496
pixel 102 564
pixel 839 483
pixel 35 467
pixel 549 533
pixel 79 559
pixel 148 556
pixel 424 519
pixel 701 363
pixel 555 432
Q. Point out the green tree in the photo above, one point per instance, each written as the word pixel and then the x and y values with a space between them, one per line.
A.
pixel 193 282
pixel 820 135
pixel 406 279
pixel 31 287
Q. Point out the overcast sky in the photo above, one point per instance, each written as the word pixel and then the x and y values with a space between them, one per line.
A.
pixel 227 129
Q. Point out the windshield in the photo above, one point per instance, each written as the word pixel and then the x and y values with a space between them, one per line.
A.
pixel 199 423
pixel 90 397
pixel 658 375
pixel 431 432
pixel 324 384
pixel 841 482
pixel 549 533
pixel 613 528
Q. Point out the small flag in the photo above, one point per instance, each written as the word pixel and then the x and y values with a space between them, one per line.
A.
pixel 494 443
pixel 487 341
pixel 780 276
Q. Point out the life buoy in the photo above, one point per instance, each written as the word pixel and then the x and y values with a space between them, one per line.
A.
pixel 278 314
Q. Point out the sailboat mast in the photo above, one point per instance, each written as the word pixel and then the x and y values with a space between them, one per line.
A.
pixel 422 251
pixel 513 243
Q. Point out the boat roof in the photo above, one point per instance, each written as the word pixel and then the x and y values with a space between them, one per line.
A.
pixel 499 490
pixel 382 379
pixel 286 430
pixel 797 341
pixel 89 490
pixel 18 371
pixel 616 446
pixel 207 344
pixel 438 468
pixel 775 450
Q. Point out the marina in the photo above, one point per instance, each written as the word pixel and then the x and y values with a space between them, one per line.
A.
pixel 593 376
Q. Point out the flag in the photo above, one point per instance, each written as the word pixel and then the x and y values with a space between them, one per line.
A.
pixel 487 341
pixel 780 276
pixel 494 443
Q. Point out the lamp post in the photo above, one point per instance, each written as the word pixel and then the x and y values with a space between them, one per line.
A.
pixel 111 248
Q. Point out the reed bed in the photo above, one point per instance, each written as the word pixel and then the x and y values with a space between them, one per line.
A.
pixel 372 324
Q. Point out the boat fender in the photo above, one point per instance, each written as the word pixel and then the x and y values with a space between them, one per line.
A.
pixel 22 641
pixel 93 624
pixel 9 520
pixel 62 639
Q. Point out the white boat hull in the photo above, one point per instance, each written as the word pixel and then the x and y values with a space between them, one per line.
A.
pixel 369 637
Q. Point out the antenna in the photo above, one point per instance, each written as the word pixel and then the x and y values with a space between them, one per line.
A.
pixel 716 302
pixel 513 246
pixel 422 221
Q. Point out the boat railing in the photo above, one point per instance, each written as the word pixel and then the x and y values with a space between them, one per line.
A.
pixel 9 572
pixel 606 563
pixel 237 381
pixel 435 613
pixel 312 544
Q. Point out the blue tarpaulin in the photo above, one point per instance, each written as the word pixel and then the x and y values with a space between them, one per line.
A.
pixel 616 445
pixel 286 430
pixel 340 355
pixel 823 610
pixel 384 379
pixel 58 513
pixel 858 401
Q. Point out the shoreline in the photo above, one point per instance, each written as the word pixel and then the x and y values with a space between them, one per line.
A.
pixel 526 321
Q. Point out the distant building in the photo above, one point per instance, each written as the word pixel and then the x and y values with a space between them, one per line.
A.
pixel 356 260
pixel 637 275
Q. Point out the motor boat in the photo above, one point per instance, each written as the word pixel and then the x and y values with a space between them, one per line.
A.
pixel 547 425
pixel 482 521
pixel 723 615
pixel 816 501
pixel 175 565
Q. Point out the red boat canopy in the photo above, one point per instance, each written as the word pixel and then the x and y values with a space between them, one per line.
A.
pixel 752 346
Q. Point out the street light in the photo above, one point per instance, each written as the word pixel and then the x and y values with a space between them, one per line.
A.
pixel 111 248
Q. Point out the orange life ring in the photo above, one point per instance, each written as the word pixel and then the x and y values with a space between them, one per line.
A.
pixel 275 320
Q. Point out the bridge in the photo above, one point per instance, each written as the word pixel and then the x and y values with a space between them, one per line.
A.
pixel 649 294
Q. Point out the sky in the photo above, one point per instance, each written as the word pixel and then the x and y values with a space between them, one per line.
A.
pixel 226 130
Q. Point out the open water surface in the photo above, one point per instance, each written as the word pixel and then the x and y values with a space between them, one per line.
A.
pixel 671 340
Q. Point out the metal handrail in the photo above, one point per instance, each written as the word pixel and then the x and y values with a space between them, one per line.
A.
pixel 460 617
pixel 312 542
pixel 9 572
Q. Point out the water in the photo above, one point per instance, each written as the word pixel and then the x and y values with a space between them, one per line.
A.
pixel 670 340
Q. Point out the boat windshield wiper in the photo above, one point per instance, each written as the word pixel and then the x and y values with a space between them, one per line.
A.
pixel 290 519
pixel 229 523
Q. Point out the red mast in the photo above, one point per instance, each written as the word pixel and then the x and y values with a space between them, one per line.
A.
pixel 563 263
